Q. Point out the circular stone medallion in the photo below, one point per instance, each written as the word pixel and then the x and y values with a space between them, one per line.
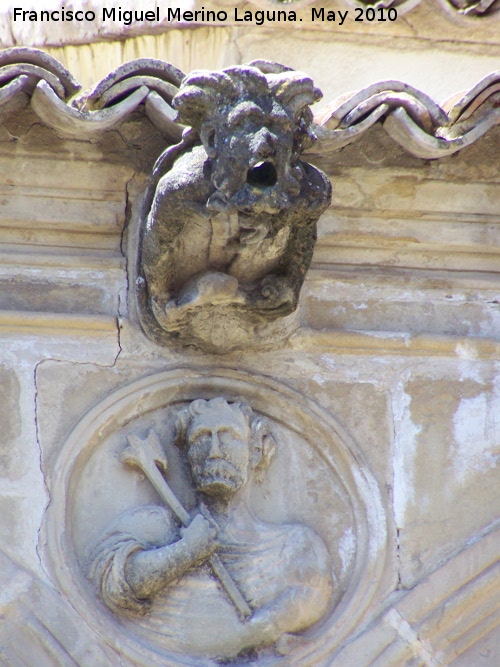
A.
pixel 315 485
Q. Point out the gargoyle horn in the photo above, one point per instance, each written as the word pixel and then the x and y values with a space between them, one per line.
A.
pixel 201 94
pixel 269 66
pixel 250 81
pixel 295 91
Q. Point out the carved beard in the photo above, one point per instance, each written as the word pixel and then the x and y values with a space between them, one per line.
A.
pixel 217 477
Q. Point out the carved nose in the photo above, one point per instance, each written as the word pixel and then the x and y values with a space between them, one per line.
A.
pixel 262 144
pixel 215 446
pixel 265 147
pixel 263 173
pixel 265 152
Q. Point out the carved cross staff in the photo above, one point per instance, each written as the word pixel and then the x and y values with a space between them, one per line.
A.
pixel 148 456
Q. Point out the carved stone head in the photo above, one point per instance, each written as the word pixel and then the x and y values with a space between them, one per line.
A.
pixel 225 444
pixel 253 121
pixel 229 222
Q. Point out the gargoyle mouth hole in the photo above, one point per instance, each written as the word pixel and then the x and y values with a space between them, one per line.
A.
pixel 263 175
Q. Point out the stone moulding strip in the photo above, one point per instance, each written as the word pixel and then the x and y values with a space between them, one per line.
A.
pixel 430 620
pixel 340 342
pixel 417 123
pixel 55 324
pixel 419 258
pixel 384 343
pixel 12 254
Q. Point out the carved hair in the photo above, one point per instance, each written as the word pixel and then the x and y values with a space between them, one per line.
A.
pixel 204 94
pixel 261 439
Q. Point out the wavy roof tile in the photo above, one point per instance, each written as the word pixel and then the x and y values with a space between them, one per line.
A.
pixel 476 8
pixel 415 121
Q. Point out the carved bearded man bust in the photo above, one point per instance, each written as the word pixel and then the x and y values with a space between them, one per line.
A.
pixel 156 575
pixel 230 222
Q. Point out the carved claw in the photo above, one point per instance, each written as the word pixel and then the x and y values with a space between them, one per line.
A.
pixel 273 292
pixel 205 291
pixel 210 288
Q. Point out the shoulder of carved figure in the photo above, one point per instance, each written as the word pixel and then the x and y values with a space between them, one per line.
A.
pixel 187 170
pixel 151 525
pixel 306 547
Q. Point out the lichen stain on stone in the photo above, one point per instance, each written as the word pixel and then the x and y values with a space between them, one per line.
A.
pixel 406 432
pixel 403 186
pixel 433 411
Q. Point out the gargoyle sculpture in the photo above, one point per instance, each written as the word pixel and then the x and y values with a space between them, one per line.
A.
pixel 230 215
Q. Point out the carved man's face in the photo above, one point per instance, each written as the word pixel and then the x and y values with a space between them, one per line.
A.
pixel 252 155
pixel 218 451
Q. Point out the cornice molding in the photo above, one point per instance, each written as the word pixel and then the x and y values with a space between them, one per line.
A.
pixel 56 324
pixel 413 119
pixel 387 343
pixel 379 343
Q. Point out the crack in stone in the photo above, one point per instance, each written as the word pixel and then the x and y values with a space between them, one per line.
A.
pixel 37 431
pixel 123 307
pixel 40 463
pixel 234 42
pixel 72 362
pixel 398 560
pixel 118 340
pixel 407 22
pixel 398 543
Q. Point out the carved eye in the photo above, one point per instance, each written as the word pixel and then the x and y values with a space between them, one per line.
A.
pixel 211 139
pixel 263 175
pixel 208 138
pixel 202 440
pixel 227 438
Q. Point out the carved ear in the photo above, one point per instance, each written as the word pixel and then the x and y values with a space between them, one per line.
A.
pixel 295 91
pixel 268 450
pixel 208 137
pixel 264 444
pixel 305 136
pixel 181 426
pixel 241 405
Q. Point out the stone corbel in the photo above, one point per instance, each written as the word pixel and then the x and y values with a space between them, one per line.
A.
pixel 229 222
